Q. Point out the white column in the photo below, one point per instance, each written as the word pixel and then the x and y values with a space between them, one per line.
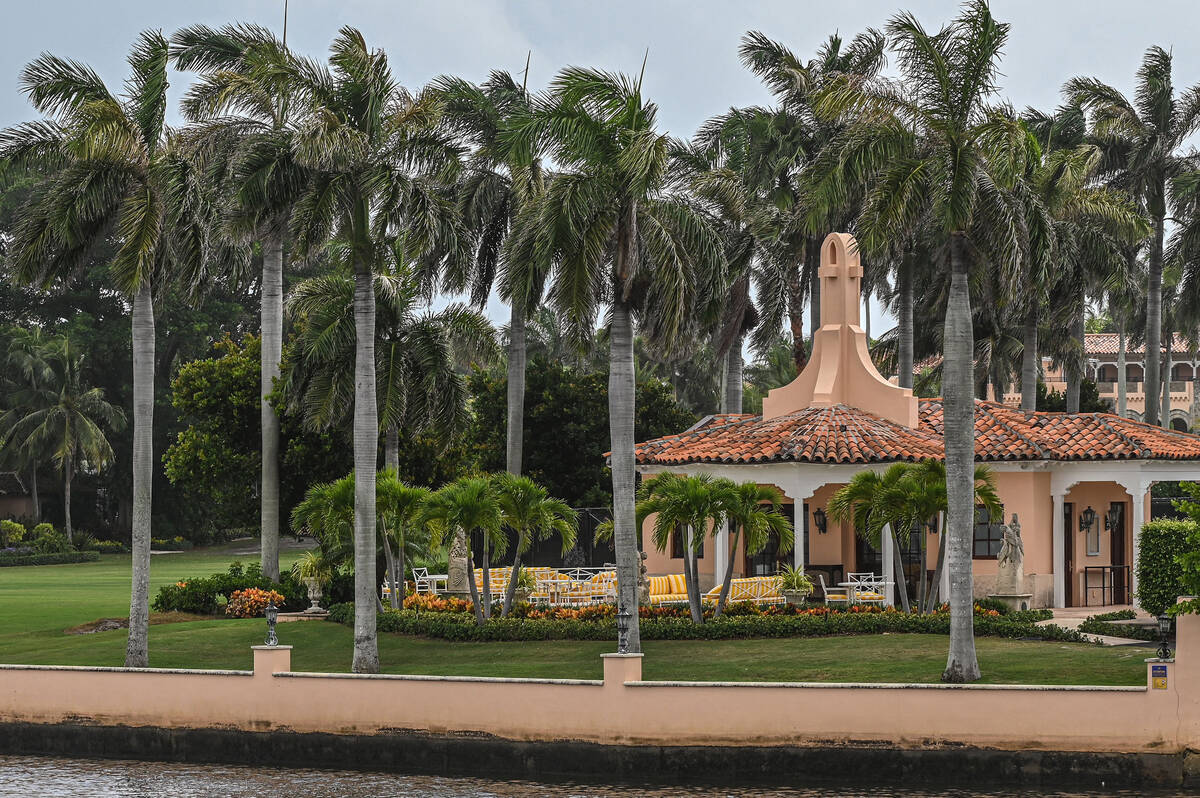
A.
pixel 721 553
pixel 1137 518
pixel 798 535
pixel 889 565
pixel 1059 551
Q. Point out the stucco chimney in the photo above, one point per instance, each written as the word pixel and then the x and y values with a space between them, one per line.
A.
pixel 840 370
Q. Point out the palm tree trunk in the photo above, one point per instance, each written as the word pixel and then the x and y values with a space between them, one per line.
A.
pixel 137 650
pixel 935 588
pixel 905 358
pixel 475 602
pixel 511 590
pixel 733 377
pixel 898 569
pixel 958 341
pixel 33 494
pixel 812 257
pixel 728 580
pixel 272 350
pixel 487 579
pixel 366 442
pixel 921 540
pixel 1154 321
pixel 690 572
pixel 1165 416
pixel 998 386
pixel 1075 372
pixel 68 473
pixel 1029 359
pixel 795 309
pixel 390 559
pixel 1122 387
pixel 516 387
pixel 391 450
pixel 620 414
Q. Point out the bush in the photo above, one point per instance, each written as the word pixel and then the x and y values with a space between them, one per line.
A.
pixel 29 557
pixel 817 622
pixel 52 542
pixel 11 533
pixel 992 604
pixel 208 595
pixel 84 541
pixel 176 543
pixel 1102 625
pixel 1159 571
pixel 251 602
pixel 42 529
pixel 111 547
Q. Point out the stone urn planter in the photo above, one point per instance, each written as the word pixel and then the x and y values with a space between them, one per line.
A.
pixel 521 595
pixel 794 598
pixel 313 587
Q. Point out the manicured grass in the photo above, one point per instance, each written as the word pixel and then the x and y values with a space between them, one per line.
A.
pixel 38 603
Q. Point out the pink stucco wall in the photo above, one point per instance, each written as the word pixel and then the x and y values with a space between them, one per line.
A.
pixel 623 708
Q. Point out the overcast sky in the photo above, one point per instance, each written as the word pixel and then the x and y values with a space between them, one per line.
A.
pixel 693 70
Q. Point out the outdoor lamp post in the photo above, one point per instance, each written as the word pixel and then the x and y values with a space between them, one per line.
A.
pixel 623 617
pixel 821 520
pixel 272 617
pixel 1086 519
pixel 1164 629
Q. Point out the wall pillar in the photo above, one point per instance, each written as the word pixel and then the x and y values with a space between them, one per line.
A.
pixel 1059 550
pixel 1136 518
pixel 721 553
pixel 271 659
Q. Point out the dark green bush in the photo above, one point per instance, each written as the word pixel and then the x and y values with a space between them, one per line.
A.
pixel 111 547
pixel 52 542
pixel 1159 572
pixel 462 626
pixel 989 603
pixel 205 595
pixel 53 558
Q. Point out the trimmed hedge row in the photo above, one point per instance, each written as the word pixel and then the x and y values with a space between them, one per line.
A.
pixel 1160 575
pixel 59 558
pixel 1100 625
pixel 461 627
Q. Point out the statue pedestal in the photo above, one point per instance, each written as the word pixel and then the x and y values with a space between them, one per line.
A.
pixel 1014 601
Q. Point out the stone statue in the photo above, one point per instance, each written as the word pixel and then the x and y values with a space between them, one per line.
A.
pixel 1010 577
pixel 456 568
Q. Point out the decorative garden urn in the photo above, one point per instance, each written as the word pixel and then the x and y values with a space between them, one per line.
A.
pixel 313 586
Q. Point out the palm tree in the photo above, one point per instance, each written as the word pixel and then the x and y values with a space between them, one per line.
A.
pixel 462 509
pixel 241 102
pixel 529 511
pixel 1142 142
pixel 937 153
pixel 752 511
pixel 685 505
pixel 402 522
pixel 61 419
pixel 499 180
pixel 614 232
pixel 376 169
pixel 26 369
pixel 110 168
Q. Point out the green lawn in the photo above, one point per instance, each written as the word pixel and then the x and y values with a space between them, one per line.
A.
pixel 38 603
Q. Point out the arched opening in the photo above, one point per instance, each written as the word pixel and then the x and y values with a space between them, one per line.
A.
pixel 832 253
pixel 1108 373
pixel 1179 424
pixel 1181 372
pixel 1133 372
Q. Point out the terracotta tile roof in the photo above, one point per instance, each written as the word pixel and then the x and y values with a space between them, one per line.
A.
pixel 1108 344
pixel 842 434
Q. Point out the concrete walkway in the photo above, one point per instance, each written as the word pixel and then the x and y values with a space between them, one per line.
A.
pixel 1072 617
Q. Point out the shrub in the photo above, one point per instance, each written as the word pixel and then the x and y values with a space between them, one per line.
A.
pixel 1102 625
pixel 52 542
pixel 26 556
pixel 992 604
pixel 251 602
pixel 176 543
pixel 1159 571
pixel 110 547
pixel 42 529
pixel 11 532
pixel 208 594
pixel 84 541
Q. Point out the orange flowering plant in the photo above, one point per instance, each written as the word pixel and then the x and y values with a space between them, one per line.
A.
pixel 251 602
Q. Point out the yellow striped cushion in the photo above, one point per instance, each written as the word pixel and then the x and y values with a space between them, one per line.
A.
pixel 870 596
pixel 660 585
pixel 678 583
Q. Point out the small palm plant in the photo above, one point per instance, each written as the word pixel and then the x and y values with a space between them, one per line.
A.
pixel 464 508
pixel 315 571
pixel 794 581
pixel 528 510
pixel 753 511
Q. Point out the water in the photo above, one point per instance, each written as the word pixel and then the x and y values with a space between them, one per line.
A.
pixel 47 777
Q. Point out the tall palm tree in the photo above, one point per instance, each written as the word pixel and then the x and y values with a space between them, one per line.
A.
pixel 377 168
pixel 110 168
pixel 752 512
pixel 402 522
pixel 687 505
pixel 498 180
pixel 62 419
pixel 465 508
pixel 241 103
pixel 529 511
pixel 614 232
pixel 938 153
pixel 1143 142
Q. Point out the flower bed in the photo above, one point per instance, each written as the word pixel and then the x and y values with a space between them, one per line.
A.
pixel 210 595
pixel 174 544
pixel 664 623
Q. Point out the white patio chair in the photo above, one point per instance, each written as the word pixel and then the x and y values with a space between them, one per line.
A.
pixel 833 595
pixel 421 581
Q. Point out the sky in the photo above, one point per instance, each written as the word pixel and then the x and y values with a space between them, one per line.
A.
pixel 692 69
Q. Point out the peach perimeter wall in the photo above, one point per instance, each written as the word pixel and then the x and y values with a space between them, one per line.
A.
pixel 1026 493
pixel 622 708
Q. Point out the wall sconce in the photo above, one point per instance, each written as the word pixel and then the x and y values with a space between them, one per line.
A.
pixel 1113 517
pixel 820 520
pixel 1086 519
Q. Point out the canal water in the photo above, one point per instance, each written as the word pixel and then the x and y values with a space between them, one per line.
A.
pixel 51 777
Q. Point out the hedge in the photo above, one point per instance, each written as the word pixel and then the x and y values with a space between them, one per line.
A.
pixel 58 558
pixel 1159 573
pixel 460 627
pixel 1101 625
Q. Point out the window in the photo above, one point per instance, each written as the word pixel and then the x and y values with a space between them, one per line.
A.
pixel 989 534
pixel 677 539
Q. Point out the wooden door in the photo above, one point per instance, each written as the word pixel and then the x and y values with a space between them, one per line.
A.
pixel 1069 552
pixel 1120 594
